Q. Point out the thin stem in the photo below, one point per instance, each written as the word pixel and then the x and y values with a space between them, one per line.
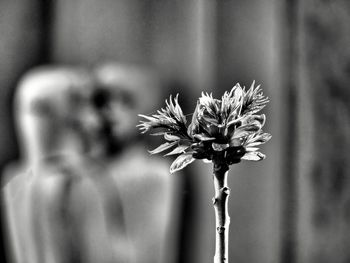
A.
pixel 220 201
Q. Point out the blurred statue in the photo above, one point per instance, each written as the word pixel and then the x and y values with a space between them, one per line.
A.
pixel 145 185
pixel 60 207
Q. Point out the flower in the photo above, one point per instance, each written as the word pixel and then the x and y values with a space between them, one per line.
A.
pixel 221 131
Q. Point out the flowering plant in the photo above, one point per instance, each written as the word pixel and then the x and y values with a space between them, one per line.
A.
pixel 223 132
pixel 226 130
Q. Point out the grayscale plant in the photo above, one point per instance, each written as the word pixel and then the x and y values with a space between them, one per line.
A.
pixel 223 132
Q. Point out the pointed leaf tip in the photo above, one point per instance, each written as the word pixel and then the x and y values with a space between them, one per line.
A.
pixel 171 137
pixel 162 147
pixel 178 150
pixel 181 162
pixel 254 156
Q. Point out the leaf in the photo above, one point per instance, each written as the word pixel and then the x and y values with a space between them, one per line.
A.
pixel 210 120
pixel 194 122
pixel 178 150
pixel 239 134
pixel 162 147
pixel 234 122
pixel 157 133
pixel 181 161
pixel 259 138
pixel 254 156
pixel 203 137
pixel 178 110
pixel 257 120
pixel 249 128
pixel 236 142
pixel 254 100
pixel 173 107
pixel 147 117
pixel 218 147
pixel 253 144
pixel 211 129
pixel 251 149
pixel 170 137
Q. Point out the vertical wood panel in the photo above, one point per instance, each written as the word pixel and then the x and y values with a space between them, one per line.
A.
pixel 289 182
pixel 324 234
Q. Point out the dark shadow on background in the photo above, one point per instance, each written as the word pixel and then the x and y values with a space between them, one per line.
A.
pixel 289 175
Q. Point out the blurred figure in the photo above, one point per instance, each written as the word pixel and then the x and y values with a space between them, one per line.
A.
pixel 60 207
pixel 147 190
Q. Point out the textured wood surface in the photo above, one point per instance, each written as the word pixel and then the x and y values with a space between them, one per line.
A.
pixel 324 131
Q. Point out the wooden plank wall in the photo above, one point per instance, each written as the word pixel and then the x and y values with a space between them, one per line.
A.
pixel 324 131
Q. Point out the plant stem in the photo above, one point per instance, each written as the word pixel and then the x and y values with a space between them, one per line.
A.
pixel 222 218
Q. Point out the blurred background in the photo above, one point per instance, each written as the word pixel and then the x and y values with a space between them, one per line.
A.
pixel 292 207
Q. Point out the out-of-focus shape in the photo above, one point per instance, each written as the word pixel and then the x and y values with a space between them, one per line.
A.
pixel 149 193
pixel 60 207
